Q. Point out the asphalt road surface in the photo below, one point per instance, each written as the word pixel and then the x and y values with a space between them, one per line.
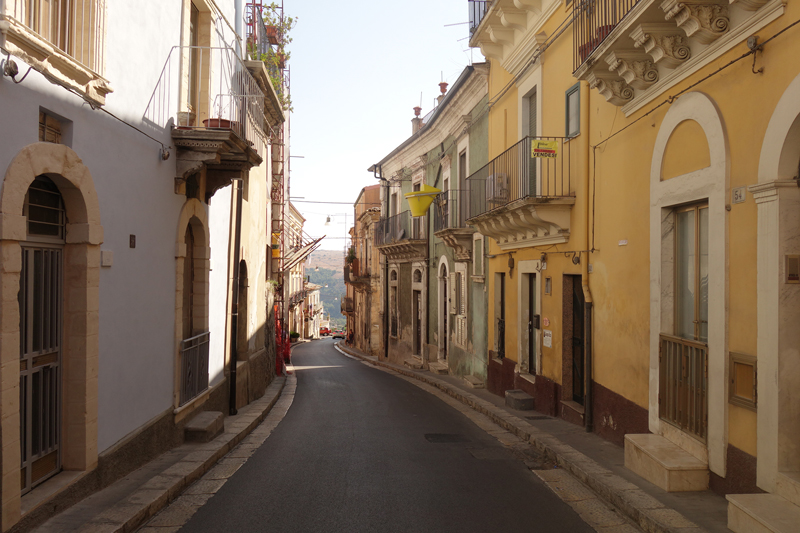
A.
pixel 362 450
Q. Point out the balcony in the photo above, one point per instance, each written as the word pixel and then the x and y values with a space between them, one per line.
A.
pixel 64 40
pixel 477 10
pixel 450 222
pixel 356 275
pixel 216 111
pixel 521 200
pixel 347 305
pixel 401 237
pixel 633 50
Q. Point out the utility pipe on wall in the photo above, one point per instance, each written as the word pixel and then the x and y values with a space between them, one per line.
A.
pixel 237 239
pixel 587 293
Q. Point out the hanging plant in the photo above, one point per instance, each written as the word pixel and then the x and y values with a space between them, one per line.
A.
pixel 277 56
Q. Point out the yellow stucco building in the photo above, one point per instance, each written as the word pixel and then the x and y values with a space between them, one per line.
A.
pixel 642 199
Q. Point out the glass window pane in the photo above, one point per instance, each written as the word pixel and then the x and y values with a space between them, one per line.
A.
pixel 684 274
pixel 703 285
pixel 573 117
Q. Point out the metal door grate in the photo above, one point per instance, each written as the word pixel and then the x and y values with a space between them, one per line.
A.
pixel 194 367
pixel 40 364
pixel 683 384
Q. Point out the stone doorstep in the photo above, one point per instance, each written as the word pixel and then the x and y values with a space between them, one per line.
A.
pixel 413 362
pixel 519 400
pixel 474 382
pixel 204 427
pixel 762 513
pixel 787 485
pixel 664 463
pixel 439 368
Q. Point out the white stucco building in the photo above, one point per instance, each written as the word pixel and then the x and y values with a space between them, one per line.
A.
pixel 135 199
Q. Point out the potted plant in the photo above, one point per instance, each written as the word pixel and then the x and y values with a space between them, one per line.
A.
pixel 293 335
pixel 272 34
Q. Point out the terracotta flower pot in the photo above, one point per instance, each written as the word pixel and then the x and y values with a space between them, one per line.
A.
pixel 272 34
pixel 222 123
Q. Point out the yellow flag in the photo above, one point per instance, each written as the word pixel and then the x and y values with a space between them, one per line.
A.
pixel 540 148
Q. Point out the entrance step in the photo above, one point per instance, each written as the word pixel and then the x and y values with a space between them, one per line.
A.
pixel 439 367
pixel 204 427
pixel 762 513
pixel 664 463
pixel 519 400
pixel 787 485
pixel 474 382
pixel 414 362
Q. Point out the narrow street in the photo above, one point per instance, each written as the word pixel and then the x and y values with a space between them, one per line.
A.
pixel 363 450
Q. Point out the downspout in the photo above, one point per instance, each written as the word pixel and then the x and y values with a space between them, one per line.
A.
pixel 237 238
pixel 587 293
pixel 239 26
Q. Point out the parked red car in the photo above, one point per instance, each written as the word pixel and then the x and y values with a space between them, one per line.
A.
pixel 324 332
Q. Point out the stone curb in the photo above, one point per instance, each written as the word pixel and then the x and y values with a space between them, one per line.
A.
pixel 644 510
pixel 134 511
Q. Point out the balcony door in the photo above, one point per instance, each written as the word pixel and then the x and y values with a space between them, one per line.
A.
pixel 532 119
pixel 40 306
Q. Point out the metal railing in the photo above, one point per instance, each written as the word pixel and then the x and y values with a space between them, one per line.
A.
pixel 450 209
pixel 256 33
pixel 683 384
pixel 76 27
pixel 207 87
pixel 401 227
pixel 347 304
pixel 593 21
pixel 477 10
pixel 194 367
pixel 515 174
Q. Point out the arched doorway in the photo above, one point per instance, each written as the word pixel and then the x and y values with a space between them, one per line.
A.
pixel 444 310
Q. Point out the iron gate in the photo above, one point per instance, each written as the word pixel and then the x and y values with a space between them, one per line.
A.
pixel 683 384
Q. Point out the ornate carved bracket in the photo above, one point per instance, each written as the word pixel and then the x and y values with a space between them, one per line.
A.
pixel 460 240
pixel 704 20
pixel 665 45
pixel 405 251
pixel 636 68
pixel 613 89
pixel 530 223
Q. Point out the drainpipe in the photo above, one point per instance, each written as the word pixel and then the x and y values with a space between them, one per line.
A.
pixel 238 24
pixel 237 239
pixel 587 293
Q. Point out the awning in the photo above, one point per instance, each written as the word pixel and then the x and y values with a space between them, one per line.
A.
pixel 297 255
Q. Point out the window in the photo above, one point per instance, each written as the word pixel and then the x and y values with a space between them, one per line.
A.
pixel 49 128
pixel 76 27
pixel 743 391
pixel 477 256
pixel 573 110
pixel 691 272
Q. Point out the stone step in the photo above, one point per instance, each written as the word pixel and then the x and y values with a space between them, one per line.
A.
pixel 787 485
pixel 762 513
pixel 474 382
pixel 519 400
pixel 439 368
pixel 413 362
pixel 665 464
pixel 204 427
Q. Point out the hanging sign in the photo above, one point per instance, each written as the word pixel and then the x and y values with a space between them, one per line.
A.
pixel 540 148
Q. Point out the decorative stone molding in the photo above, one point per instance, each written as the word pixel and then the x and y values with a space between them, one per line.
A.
pixel 527 222
pixel 703 20
pixel 613 89
pixel 750 5
pixel 534 6
pixel 501 35
pixel 460 240
pixel 663 43
pixel 634 67
pixel 53 62
pixel 405 251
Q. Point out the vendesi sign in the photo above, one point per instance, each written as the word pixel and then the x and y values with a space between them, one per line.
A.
pixel 540 148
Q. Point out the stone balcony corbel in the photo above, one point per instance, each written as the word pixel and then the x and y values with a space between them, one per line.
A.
pixel 515 19
pixel 613 89
pixel 664 42
pixel 501 35
pixel 703 20
pixel 636 68
pixel 534 6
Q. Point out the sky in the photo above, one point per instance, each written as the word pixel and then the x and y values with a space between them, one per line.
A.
pixel 357 71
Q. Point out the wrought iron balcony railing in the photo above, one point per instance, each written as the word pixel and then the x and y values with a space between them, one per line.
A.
pixel 216 91
pixel 450 209
pixel 477 10
pixel 683 384
pixel 397 228
pixel 516 174
pixel 593 21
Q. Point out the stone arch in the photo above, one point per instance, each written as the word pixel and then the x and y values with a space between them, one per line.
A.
pixel 780 151
pixel 193 215
pixel 706 184
pixel 81 303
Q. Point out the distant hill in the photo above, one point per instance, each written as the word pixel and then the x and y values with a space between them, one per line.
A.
pixel 330 259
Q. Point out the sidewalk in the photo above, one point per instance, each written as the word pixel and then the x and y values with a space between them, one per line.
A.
pixel 598 463
pixel 130 502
